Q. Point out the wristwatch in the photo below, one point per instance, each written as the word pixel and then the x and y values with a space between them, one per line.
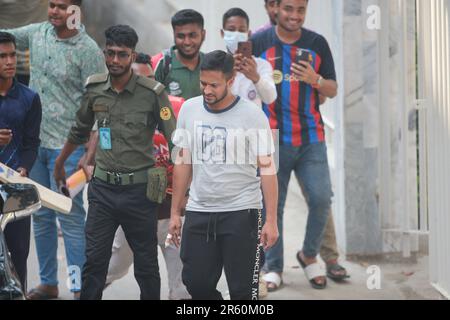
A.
pixel 318 84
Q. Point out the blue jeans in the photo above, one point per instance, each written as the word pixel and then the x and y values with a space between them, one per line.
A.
pixel 310 165
pixel 72 225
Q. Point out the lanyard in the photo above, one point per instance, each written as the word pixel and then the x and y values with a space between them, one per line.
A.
pixel 12 154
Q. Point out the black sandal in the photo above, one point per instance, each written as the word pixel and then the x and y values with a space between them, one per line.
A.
pixel 333 269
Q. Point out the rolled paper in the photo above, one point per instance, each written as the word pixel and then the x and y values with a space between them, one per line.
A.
pixel 74 184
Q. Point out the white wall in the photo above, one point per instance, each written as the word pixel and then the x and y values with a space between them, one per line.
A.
pixel 435 82
pixel 213 10
pixel 151 19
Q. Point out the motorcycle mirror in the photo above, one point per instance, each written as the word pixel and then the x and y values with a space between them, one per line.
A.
pixel 17 201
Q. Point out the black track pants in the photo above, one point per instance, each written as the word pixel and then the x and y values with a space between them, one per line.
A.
pixel 215 241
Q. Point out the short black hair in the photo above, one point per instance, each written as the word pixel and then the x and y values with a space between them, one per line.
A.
pixel 187 16
pixel 218 60
pixel 235 12
pixel 122 36
pixel 143 58
pixel 77 2
pixel 6 37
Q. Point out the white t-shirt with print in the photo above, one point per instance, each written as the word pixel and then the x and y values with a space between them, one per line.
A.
pixel 224 147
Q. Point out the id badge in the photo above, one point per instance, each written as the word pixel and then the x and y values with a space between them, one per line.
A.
pixel 105 138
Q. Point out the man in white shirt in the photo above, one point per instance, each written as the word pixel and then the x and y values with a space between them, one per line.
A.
pixel 254 77
pixel 224 140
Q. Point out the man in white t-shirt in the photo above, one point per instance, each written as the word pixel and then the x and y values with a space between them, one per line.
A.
pixel 224 140
pixel 254 77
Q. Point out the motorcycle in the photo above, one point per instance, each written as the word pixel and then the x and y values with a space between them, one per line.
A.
pixel 17 201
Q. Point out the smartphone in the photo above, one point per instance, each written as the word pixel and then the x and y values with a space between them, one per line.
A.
pixel 303 55
pixel 245 48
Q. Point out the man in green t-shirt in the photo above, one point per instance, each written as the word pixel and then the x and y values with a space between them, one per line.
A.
pixel 178 68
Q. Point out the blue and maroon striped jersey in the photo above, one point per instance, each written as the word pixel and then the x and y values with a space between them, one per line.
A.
pixel 296 111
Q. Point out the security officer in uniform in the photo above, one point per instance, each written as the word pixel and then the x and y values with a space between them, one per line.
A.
pixel 127 109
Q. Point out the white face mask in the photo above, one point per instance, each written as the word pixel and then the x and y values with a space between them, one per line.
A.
pixel 232 38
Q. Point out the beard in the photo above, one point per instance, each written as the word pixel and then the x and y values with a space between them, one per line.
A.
pixel 190 56
pixel 120 70
pixel 218 100
pixel 187 56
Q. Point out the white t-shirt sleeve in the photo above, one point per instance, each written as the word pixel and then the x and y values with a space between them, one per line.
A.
pixel 266 85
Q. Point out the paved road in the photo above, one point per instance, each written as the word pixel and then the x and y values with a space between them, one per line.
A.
pixel 398 281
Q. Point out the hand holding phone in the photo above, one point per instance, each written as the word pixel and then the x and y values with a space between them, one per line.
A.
pixel 301 71
pixel 245 48
pixel 303 55
pixel 247 64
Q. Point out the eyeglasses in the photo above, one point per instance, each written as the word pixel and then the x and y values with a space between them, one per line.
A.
pixel 122 55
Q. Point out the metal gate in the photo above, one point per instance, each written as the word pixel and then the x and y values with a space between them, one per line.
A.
pixel 434 92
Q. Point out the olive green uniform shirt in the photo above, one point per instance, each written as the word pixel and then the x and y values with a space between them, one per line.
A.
pixel 132 116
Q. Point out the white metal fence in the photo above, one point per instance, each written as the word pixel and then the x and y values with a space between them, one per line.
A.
pixel 434 83
pixel 398 174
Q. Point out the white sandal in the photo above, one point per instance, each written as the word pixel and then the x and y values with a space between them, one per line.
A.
pixel 313 271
